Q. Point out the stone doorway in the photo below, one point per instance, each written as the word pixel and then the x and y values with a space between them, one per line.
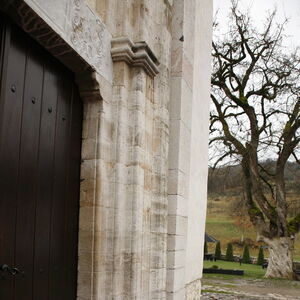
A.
pixel 40 149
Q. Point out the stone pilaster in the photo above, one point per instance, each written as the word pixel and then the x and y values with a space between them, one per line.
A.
pixel 199 147
pixel 180 144
pixel 140 219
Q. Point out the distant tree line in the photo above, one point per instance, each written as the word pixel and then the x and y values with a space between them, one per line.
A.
pixel 228 178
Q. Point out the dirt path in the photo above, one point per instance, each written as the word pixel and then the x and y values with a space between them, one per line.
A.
pixel 217 289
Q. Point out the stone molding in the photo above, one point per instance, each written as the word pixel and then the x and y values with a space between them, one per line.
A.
pixel 134 54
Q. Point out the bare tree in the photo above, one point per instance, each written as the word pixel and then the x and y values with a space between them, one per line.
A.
pixel 256 115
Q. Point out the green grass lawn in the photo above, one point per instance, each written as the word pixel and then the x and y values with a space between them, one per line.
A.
pixel 253 271
pixel 222 225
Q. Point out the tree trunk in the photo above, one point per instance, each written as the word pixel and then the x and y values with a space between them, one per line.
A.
pixel 280 258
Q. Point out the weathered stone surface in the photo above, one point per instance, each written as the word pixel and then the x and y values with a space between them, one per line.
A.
pixel 193 290
pixel 144 161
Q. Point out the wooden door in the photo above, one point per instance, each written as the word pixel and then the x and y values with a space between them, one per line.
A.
pixel 40 143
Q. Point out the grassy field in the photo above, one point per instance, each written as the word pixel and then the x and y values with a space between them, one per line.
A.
pixel 250 271
pixel 225 230
pixel 222 225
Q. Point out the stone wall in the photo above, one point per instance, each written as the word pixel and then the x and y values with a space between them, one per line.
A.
pixel 142 67
pixel 199 146
pixel 189 110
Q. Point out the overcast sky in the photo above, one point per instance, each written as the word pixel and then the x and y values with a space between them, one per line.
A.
pixel 286 9
pixel 258 10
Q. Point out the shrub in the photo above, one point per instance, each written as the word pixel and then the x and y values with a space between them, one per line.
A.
pixel 218 251
pixel 205 248
pixel 215 267
pixel 246 255
pixel 229 252
pixel 261 257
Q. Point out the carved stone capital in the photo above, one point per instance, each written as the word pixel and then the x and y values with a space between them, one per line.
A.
pixel 135 54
